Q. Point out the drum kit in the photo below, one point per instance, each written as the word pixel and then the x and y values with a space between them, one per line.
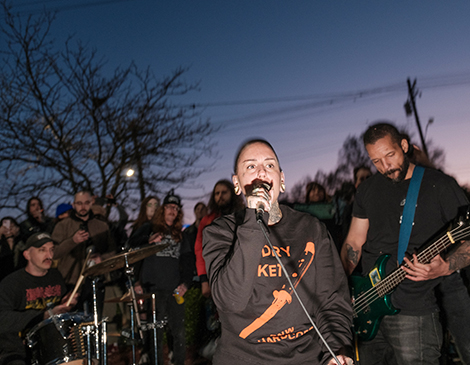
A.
pixel 80 339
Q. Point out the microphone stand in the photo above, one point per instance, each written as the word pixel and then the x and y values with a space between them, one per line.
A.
pixel 261 224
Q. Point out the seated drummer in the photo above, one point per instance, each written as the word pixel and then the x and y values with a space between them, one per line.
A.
pixel 25 296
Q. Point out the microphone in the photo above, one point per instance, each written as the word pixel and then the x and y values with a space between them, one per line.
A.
pixel 259 211
pixel 260 205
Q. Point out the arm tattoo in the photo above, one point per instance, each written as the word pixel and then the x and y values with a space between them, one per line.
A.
pixel 353 255
pixel 460 258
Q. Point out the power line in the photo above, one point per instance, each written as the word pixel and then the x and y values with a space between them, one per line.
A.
pixel 432 82
pixel 62 7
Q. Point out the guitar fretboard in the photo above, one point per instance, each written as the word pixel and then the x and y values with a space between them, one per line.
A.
pixel 390 282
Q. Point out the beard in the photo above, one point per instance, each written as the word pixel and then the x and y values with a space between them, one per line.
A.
pixel 82 213
pixel 403 169
pixel 225 207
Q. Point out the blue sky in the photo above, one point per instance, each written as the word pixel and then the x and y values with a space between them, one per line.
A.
pixel 252 50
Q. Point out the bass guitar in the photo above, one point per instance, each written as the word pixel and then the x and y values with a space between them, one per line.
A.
pixel 371 294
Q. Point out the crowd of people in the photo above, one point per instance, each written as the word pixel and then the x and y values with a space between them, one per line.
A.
pixel 275 274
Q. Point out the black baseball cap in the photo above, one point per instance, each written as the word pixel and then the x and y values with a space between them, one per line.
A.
pixel 38 239
pixel 172 198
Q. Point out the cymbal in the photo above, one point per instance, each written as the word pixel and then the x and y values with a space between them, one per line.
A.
pixel 119 261
pixel 126 298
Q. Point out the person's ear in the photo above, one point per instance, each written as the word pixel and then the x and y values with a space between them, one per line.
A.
pixel 405 146
pixel 236 185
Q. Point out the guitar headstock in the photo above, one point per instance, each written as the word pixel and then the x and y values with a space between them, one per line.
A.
pixel 462 222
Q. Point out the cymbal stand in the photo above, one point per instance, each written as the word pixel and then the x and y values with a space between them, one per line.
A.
pixel 134 308
pixel 154 326
pixel 88 332
pixel 95 319
pixel 104 340
pixel 154 318
pixel 132 334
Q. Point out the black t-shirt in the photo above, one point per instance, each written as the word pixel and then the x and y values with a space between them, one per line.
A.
pixel 23 299
pixel 381 201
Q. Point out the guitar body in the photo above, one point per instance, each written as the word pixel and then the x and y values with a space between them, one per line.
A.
pixel 369 306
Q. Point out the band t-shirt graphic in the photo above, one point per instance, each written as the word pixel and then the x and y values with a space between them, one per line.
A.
pixel 39 297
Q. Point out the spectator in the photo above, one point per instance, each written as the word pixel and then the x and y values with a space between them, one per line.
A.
pixel 166 273
pixel 11 246
pixel 36 221
pixel 316 193
pixel 148 207
pixel 190 233
pixel 74 235
pixel 223 200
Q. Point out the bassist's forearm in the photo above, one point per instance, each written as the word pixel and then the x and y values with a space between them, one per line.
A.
pixel 349 257
pixel 460 258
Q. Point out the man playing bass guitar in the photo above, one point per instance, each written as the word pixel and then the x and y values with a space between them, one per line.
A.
pixel 413 336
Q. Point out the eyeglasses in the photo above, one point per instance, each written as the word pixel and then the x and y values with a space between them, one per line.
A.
pixel 172 207
pixel 150 205
pixel 83 203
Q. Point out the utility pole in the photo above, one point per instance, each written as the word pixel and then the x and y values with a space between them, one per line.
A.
pixel 410 108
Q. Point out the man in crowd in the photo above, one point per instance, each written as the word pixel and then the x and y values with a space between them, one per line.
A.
pixel 25 296
pixel 223 201
pixel 36 220
pixel 76 235
pixel 414 335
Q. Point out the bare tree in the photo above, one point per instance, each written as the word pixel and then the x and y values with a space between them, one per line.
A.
pixel 69 124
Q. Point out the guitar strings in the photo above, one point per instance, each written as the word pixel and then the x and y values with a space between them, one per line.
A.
pixel 382 287
pixel 377 291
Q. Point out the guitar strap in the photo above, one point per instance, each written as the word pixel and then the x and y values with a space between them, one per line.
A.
pixel 409 212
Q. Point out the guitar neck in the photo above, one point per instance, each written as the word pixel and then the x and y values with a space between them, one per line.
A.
pixel 390 282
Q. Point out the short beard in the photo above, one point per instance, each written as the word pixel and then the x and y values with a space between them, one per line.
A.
pixel 403 171
pixel 82 215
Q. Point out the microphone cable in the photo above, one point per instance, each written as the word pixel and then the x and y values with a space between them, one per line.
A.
pixel 261 223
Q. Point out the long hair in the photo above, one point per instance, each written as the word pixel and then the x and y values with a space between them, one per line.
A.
pixel 159 225
pixel 142 217
pixel 235 203
pixel 28 205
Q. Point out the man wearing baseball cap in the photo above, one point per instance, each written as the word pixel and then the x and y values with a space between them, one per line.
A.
pixel 25 296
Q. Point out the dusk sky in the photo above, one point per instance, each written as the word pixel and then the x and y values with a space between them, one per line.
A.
pixel 308 51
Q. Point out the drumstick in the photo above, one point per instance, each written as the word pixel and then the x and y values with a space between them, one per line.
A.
pixel 79 281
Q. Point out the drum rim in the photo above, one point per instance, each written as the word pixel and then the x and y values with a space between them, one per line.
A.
pixel 63 317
